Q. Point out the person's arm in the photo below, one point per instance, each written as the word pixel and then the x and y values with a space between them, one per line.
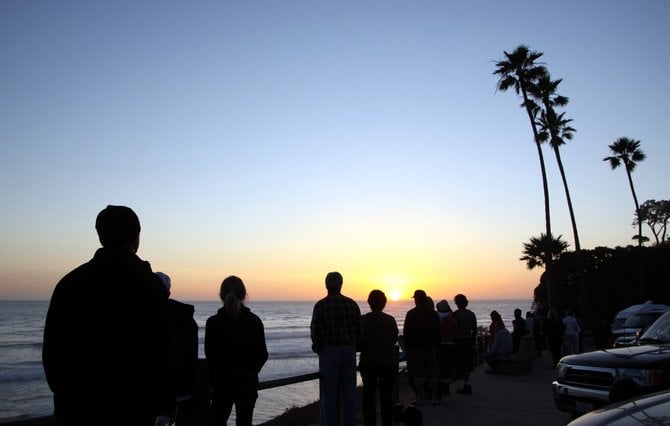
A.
pixel 211 347
pixel 358 325
pixel 316 329
pixel 51 345
pixel 262 350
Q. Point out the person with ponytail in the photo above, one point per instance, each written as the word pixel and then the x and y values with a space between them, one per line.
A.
pixel 235 350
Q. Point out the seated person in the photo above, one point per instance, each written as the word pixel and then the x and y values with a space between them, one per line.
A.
pixel 502 346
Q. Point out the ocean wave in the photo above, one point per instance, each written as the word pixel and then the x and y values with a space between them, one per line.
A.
pixel 20 345
pixel 290 355
pixel 284 334
pixel 22 373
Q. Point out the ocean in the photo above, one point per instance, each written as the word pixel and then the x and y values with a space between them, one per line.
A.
pixel 24 392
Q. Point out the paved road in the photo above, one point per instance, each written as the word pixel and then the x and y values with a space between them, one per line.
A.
pixel 501 400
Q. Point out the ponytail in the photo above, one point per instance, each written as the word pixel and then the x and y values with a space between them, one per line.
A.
pixel 233 305
pixel 232 294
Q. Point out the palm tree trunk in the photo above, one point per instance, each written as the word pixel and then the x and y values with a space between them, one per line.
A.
pixel 567 196
pixel 637 207
pixel 583 287
pixel 548 261
pixel 643 281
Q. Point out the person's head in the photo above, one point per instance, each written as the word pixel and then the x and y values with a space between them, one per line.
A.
pixel 118 227
pixel 461 301
pixel 377 300
pixel 232 294
pixel 430 303
pixel 495 316
pixel 334 282
pixel 517 313
pixel 443 306
pixel 420 298
pixel 167 282
pixel 529 314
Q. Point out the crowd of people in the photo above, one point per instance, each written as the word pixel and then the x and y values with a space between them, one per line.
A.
pixel 560 335
pixel 118 350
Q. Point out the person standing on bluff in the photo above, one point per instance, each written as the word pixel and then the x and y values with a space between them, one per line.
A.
pixel 445 353
pixel 465 342
pixel 184 355
pixel 379 360
pixel 519 329
pixel 554 328
pixel 335 331
pixel 235 350
pixel 572 331
pixel 421 332
pixel 106 349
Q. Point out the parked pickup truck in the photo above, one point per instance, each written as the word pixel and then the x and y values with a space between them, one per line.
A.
pixel 584 381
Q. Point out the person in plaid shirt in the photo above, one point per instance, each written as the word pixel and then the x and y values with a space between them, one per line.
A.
pixel 336 332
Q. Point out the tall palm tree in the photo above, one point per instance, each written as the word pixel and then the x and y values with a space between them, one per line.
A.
pixel 627 151
pixel 520 70
pixel 556 130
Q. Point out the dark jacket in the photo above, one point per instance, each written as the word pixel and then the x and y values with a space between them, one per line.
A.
pixel 421 329
pixel 379 335
pixel 107 342
pixel 235 350
pixel 185 347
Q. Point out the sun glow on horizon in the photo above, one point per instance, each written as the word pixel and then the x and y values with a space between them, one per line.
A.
pixel 395 286
pixel 394 295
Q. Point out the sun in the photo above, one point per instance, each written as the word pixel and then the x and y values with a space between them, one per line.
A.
pixel 394 294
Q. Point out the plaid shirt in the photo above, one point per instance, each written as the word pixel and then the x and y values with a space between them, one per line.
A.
pixel 336 321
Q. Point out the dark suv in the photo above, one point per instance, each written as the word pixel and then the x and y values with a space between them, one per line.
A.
pixel 584 381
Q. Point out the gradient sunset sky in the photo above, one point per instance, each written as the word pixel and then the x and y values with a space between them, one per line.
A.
pixel 279 140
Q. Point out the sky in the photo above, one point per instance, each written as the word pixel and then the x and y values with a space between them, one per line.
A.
pixel 280 140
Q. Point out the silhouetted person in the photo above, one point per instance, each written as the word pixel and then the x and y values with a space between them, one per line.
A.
pixel 379 359
pixel 447 348
pixel 107 334
pixel 236 351
pixel 465 342
pixel 501 346
pixel 553 328
pixel 572 332
pixel 421 333
pixel 496 321
pixel 184 355
pixel 335 331
pixel 519 329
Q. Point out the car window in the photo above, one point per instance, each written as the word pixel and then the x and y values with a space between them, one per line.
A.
pixel 659 330
pixel 642 320
pixel 618 322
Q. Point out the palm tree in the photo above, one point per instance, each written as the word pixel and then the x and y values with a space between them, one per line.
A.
pixel 556 129
pixel 628 152
pixel 520 70
pixel 538 251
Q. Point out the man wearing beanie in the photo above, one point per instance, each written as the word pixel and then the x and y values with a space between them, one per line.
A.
pixel 106 351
